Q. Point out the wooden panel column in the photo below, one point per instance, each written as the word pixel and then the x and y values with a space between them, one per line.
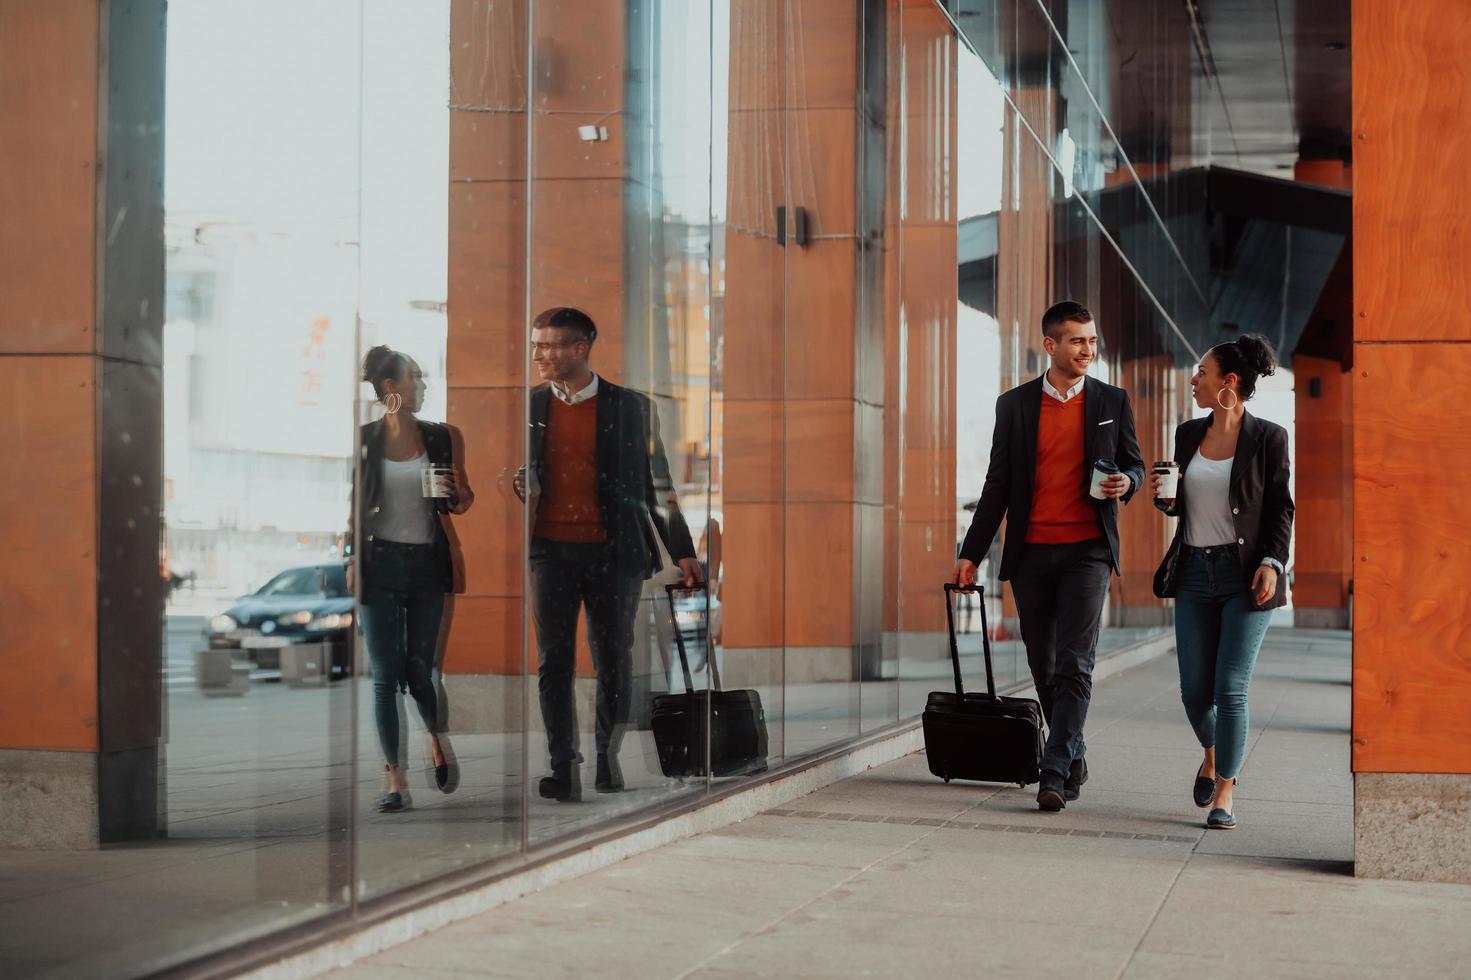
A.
pixel 1412 287
pixel 81 276
pixel 794 497
pixel 572 198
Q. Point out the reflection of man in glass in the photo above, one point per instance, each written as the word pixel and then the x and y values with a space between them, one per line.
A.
pixel 599 487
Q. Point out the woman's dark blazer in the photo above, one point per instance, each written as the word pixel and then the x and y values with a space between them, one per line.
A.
pixel 1261 503
pixel 439 446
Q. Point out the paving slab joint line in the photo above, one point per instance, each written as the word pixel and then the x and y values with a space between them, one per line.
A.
pixel 721 812
pixel 378 936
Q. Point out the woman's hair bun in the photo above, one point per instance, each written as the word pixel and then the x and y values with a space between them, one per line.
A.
pixel 378 363
pixel 1258 354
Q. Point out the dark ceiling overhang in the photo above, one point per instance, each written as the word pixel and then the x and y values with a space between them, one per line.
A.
pixel 1237 252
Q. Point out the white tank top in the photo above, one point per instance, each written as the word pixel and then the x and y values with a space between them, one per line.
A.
pixel 407 516
pixel 1208 519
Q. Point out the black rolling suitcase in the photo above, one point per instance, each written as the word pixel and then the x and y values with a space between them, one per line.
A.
pixel 981 736
pixel 737 730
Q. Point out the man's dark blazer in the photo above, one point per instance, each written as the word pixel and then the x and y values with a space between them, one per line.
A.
pixel 633 475
pixel 1108 433
pixel 439 447
pixel 1261 502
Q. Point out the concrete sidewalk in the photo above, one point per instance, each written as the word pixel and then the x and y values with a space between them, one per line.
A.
pixel 894 873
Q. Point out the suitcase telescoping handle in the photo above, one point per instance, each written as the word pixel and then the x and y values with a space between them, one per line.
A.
pixel 950 588
pixel 684 663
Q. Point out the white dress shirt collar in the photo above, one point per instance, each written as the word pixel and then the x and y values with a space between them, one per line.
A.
pixel 1060 395
pixel 577 397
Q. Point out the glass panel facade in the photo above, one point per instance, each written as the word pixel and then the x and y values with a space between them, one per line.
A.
pixel 804 247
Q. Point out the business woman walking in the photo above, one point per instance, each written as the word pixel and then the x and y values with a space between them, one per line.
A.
pixel 1225 567
pixel 407 565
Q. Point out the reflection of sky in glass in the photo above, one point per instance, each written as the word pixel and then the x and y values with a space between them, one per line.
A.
pixel 978 135
pixel 692 92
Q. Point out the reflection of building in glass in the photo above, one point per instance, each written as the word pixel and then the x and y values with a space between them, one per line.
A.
pixel 258 344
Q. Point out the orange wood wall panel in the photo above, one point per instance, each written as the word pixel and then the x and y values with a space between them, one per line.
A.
pixel 488 54
pixel 755 320
pixel 754 582
pixel 1323 559
pixel 1412 284
pixel 822 44
pixel 485 635
pixel 820 291
pixel 1412 610
pixel 48 156
pixel 48 635
pixel 820 458
pixel 577 258
pixel 821 168
pixel 491 533
pixel 755 451
pixel 486 343
pixel 818 589
pixel 1411 103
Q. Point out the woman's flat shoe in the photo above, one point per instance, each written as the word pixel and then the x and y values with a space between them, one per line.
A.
pixel 1220 820
pixel 447 773
pixel 1205 789
pixel 391 803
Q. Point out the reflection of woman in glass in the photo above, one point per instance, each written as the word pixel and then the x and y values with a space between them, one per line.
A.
pixel 408 479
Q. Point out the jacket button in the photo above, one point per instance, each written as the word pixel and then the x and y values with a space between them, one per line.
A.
pixel 377 509
pixel 1235 510
pixel 1241 541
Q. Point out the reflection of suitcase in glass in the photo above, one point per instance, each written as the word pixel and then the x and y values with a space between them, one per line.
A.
pixel 981 736
pixel 737 723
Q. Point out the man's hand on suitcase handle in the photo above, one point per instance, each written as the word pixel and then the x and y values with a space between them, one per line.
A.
pixel 693 573
pixel 965 573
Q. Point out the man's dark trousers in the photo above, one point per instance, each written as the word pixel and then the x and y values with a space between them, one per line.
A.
pixel 1060 590
pixel 566 578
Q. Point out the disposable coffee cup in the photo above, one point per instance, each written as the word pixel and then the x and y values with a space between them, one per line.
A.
pixel 1168 472
pixel 1102 470
pixel 435 481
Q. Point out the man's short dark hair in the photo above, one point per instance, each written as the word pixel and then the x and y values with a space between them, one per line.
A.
pixel 568 318
pixel 1064 312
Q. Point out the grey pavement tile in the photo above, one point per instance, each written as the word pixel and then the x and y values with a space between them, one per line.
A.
pixel 787 840
pixel 1209 963
pixel 825 941
pixel 1298 914
pixel 1285 833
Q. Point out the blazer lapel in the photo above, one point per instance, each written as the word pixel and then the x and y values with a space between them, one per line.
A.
pixel 1031 419
pixel 1246 446
pixel 372 460
pixel 540 405
pixel 606 450
pixel 1092 412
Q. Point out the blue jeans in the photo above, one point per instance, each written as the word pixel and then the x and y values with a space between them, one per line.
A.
pixel 1218 633
pixel 400 611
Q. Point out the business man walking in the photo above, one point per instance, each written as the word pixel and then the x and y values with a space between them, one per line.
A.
pixel 600 489
pixel 1061 542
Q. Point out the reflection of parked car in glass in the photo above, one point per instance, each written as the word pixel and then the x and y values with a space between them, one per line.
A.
pixel 310 604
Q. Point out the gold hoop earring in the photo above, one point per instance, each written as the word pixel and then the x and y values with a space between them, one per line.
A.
pixel 392 402
pixel 1223 405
